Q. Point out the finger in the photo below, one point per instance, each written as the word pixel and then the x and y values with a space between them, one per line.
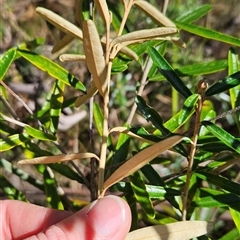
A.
pixel 20 220
pixel 107 218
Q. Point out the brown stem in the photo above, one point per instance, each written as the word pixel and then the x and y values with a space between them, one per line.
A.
pixel 202 86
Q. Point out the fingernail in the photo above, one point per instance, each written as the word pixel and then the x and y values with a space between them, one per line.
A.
pixel 106 215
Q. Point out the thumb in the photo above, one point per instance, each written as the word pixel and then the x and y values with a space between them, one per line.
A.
pixel 106 218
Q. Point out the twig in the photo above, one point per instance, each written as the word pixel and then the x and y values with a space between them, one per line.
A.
pixel 105 133
pixel 202 86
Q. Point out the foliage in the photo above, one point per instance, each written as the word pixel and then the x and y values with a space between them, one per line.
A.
pixel 132 162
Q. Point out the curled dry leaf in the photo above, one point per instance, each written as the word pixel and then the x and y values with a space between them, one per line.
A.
pixel 154 14
pixel 102 7
pixel 144 35
pixel 72 57
pixel 60 23
pixel 173 231
pixel 58 158
pixel 178 42
pixel 161 33
pixel 140 159
pixel 129 133
pixel 129 52
pixel 95 56
pixel 91 91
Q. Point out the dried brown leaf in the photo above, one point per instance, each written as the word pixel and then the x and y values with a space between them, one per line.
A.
pixel 72 57
pixel 103 10
pixel 129 133
pixel 62 43
pixel 144 35
pixel 153 13
pixel 60 23
pixel 58 158
pixel 95 56
pixel 173 231
pixel 140 159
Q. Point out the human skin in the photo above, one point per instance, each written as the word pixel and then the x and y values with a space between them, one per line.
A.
pixel 106 218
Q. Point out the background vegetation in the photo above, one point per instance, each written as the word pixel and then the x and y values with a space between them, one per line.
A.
pixel 213 192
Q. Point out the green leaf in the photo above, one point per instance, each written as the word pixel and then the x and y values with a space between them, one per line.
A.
pixel 12 141
pixel 183 115
pixel 222 135
pixel 56 105
pixel 121 150
pixel 155 192
pixel 194 14
pixel 225 84
pixel 131 200
pixel 208 33
pixel 38 134
pixel 196 69
pixel 53 69
pixel 221 199
pixel 98 119
pixel 10 191
pixel 151 115
pixel 187 109
pixel 6 61
pixel 219 181
pixel 152 176
pixel 168 72
pixel 234 66
pixel 233 235
pixel 52 194
pixel 141 194
pixel 235 213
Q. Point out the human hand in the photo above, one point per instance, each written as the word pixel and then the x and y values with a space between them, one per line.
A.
pixel 107 218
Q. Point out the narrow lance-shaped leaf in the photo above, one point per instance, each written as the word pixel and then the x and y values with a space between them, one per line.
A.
pixel 208 33
pixel 235 213
pixel 196 69
pixel 141 194
pixel 154 14
pixel 166 70
pixel 6 61
pixel 194 14
pixel 234 66
pixel 56 105
pixel 58 158
pixel 222 135
pixel 151 115
pixel 225 84
pixel 95 56
pixel 103 10
pixel 13 141
pixel 219 181
pixel 38 134
pixel 51 187
pixel 173 231
pixel 143 35
pixel 60 23
pixel 52 69
pixel 140 159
